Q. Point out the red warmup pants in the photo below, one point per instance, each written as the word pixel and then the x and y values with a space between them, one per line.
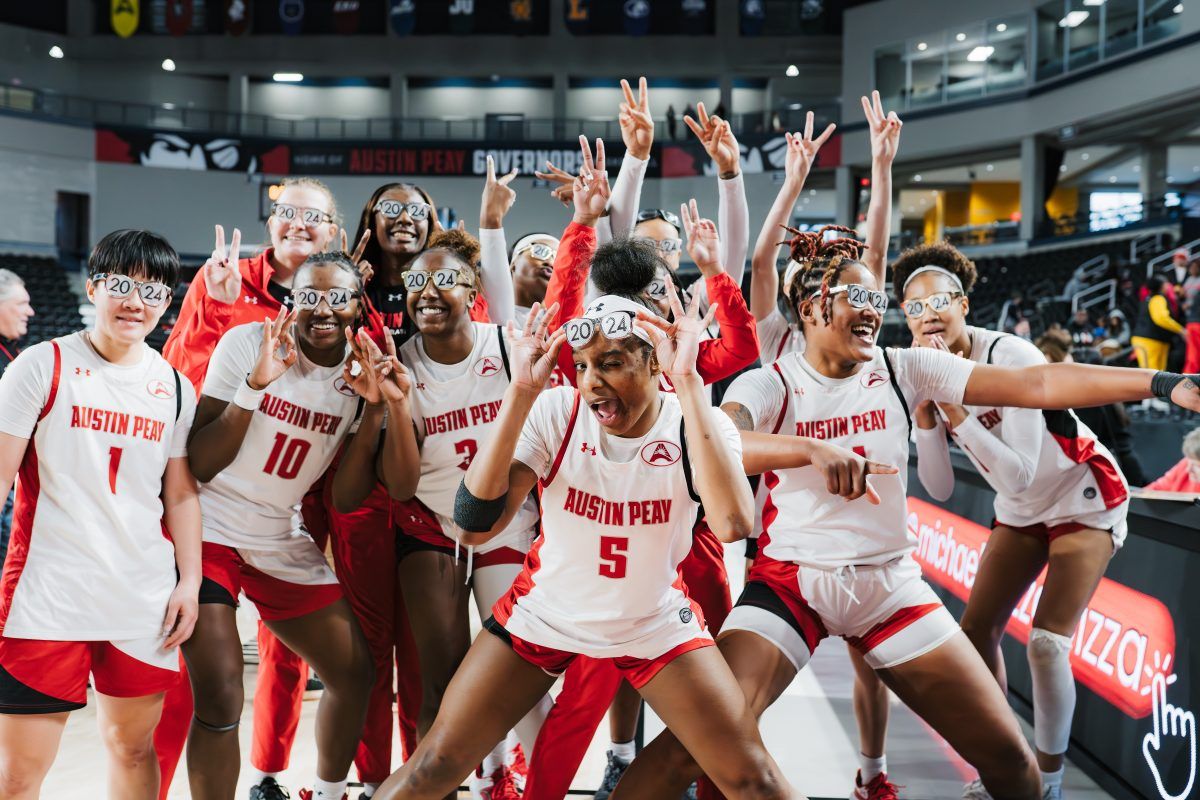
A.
pixel 364 555
pixel 1192 365
pixel 590 685
pixel 278 692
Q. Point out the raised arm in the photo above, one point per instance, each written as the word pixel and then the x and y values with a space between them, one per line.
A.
pixel 637 132
pixel 496 484
pixel 733 216
pixel 798 162
pixel 498 198
pixel 885 141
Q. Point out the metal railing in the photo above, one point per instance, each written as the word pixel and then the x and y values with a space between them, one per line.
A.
pixel 513 127
pixel 1093 268
pixel 1145 243
pixel 1161 262
pixel 984 234
pixel 1104 292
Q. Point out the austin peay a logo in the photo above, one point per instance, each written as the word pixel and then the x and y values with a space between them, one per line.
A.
pixel 488 365
pixel 160 389
pixel 685 615
pixel 342 387
pixel 875 377
pixel 660 453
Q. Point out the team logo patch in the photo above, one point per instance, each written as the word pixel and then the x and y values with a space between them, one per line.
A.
pixel 342 387
pixel 160 389
pixel 1090 493
pixel 685 615
pixel 661 454
pixel 875 377
pixel 488 365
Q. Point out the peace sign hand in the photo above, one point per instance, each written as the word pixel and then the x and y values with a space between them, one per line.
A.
pixel 802 150
pixel 276 353
pixel 637 126
pixel 885 129
pixel 677 343
pixel 498 197
pixel 718 140
pixel 533 352
pixel 364 267
pixel 590 190
pixel 703 242
pixel 565 181
pixel 222 278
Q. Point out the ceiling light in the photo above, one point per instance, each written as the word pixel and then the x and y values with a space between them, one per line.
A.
pixel 1137 168
pixel 960 37
pixel 1001 28
pixel 981 53
pixel 1073 19
pixel 1196 169
pixel 991 167
pixel 922 46
pixel 812 191
pixel 1093 2
pixel 1063 168
pixel 909 210
pixel 917 178
pixel 1178 9
pixel 169 106
pixel 287 77
pixel 56 52
pixel 792 71
pixel 168 64
pixel 1112 178
pixel 1084 156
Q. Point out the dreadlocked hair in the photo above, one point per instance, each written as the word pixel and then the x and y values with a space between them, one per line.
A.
pixel 821 262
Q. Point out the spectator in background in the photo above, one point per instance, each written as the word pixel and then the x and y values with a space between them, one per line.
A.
pixel 1083 332
pixel 15 312
pixel 1155 328
pixel 1116 330
pixel 1184 476
pixel 1191 306
pixel 1017 321
pixel 1180 269
pixel 672 123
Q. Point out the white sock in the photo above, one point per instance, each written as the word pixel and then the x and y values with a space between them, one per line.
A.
pixel 1053 778
pixel 369 789
pixel 623 750
pixel 257 775
pixel 870 767
pixel 329 790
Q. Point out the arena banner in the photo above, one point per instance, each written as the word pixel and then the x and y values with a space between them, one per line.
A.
pixel 191 151
pixel 124 15
pixel 1133 653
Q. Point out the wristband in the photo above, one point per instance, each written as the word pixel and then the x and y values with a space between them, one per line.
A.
pixel 1163 383
pixel 474 514
pixel 247 397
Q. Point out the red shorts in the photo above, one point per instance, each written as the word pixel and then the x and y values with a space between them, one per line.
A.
pixel 48 677
pixel 638 671
pixel 1044 532
pixel 282 584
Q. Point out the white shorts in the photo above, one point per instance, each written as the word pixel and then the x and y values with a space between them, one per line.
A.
pixel 1113 520
pixel 887 612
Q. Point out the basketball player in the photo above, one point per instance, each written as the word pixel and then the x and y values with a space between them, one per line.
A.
pixel 232 291
pixel 825 565
pixel 273 414
pixel 460 371
pixel 623 468
pixel 1061 500
pixel 96 424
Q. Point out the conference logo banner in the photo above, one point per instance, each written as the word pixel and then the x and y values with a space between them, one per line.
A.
pixel 445 160
pixel 198 152
pixel 1124 647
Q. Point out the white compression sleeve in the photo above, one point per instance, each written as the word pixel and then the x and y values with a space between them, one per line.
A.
pixel 1011 459
pixel 733 224
pixel 626 194
pixel 933 461
pixel 495 277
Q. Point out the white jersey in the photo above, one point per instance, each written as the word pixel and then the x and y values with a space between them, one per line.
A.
pixel 89 558
pixel 867 412
pixel 454 407
pixel 617 518
pixel 1075 475
pixel 777 337
pixel 301 421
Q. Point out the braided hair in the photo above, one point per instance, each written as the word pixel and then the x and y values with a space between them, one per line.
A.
pixel 821 262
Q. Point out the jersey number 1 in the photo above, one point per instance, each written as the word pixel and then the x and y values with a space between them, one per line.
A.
pixel 114 464
pixel 286 457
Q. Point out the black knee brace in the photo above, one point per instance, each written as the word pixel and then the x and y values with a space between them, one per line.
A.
pixel 216 728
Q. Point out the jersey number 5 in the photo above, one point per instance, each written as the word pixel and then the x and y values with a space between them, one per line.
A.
pixel 286 457
pixel 613 558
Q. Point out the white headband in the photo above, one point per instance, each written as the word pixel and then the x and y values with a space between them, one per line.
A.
pixel 612 302
pixel 530 239
pixel 793 267
pixel 933 268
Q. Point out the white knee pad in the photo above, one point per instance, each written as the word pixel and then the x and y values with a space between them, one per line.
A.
pixel 1053 690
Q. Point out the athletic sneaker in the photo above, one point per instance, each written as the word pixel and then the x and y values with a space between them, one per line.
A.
pixel 516 768
pixel 878 788
pixel 975 791
pixel 612 773
pixel 1052 792
pixel 269 789
pixel 497 786
pixel 314 687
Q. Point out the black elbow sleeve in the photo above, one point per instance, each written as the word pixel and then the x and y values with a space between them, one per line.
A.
pixel 475 515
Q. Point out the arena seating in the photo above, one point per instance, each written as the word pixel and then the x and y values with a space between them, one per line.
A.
pixel 56 306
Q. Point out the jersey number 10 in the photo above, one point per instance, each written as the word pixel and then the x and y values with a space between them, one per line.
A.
pixel 287 457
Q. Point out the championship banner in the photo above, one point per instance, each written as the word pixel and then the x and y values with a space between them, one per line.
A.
pixel 402 15
pixel 124 14
pixel 462 17
pixel 237 16
pixel 578 16
pixel 636 17
pixel 180 17
pixel 753 17
pixel 291 16
pixel 347 16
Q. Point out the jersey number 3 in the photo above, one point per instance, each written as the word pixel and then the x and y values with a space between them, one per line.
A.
pixel 286 457
pixel 613 558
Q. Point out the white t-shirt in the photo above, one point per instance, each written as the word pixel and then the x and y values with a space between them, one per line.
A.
pixel 777 337
pixel 88 559
pixel 301 421
pixel 802 522
pixel 617 518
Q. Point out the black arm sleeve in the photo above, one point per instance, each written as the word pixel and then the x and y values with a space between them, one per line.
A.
pixel 475 515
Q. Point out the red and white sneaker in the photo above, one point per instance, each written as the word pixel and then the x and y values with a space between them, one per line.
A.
pixel 878 788
pixel 516 767
pixel 504 788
